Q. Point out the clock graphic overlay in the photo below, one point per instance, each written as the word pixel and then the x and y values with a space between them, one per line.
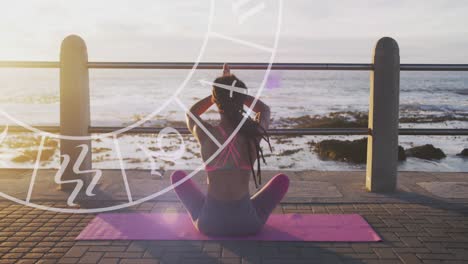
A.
pixel 244 12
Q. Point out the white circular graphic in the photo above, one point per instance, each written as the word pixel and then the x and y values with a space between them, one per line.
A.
pixel 243 10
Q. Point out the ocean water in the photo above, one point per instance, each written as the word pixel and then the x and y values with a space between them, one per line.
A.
pixel 121 97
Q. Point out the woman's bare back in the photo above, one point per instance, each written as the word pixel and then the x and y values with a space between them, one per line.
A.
pixel 226 183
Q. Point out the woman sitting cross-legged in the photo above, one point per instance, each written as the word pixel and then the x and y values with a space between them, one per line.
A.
pixel 227 209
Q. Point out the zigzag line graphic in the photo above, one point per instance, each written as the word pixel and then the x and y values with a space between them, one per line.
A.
pixel 76 169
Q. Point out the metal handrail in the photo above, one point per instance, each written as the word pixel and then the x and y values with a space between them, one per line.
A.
pixel 238 66
pixel 274 131
pixel 250 66
pixel 29 64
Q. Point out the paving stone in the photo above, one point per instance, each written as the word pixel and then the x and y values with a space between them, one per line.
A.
pixel 91 257
pixel 5 249
pixel 411 241
pixel 411 250
pixel 109 261
pixel 431 256
pixel 210 246
pixel 20 250
pixel 13 255
pixel 137 246
pixel 52 256
pixel 230 260
pixel 76 252
pixel 46 261
pixel 26 261
pixel 58 250
pixel 409 258
pixel 41 249
pixel 172 258
pixel 33 255
pixel 153 252
pixel 361 248
pixel 107 248
pixel 93 243
pixel 8 244
pixel 139 261
pixel 436 247
pixel 123 254
pixel 69 260
pixel 198 261
pixel 121 243
pixel 385 253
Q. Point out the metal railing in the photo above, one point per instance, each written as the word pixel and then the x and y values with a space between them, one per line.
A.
pixel 251 66
pixel 236 66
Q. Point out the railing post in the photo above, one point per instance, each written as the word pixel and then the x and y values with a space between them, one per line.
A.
pixel 382 146
pixel 74 105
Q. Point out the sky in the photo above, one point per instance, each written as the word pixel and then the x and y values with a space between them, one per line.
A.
pixel 430 31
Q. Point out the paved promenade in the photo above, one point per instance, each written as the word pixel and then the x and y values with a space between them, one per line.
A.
pixel 426 221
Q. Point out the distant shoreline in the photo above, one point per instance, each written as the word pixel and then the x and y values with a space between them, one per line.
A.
pixel 343 119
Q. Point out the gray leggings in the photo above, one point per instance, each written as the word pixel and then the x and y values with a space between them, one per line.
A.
pixel 230 218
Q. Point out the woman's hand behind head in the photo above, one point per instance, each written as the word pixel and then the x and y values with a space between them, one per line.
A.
pixel 226 70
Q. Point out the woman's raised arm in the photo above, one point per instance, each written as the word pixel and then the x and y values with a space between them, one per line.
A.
pixel 195 112
pixel 261 109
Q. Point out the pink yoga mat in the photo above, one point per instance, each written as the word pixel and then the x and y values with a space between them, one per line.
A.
pixel 280 227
